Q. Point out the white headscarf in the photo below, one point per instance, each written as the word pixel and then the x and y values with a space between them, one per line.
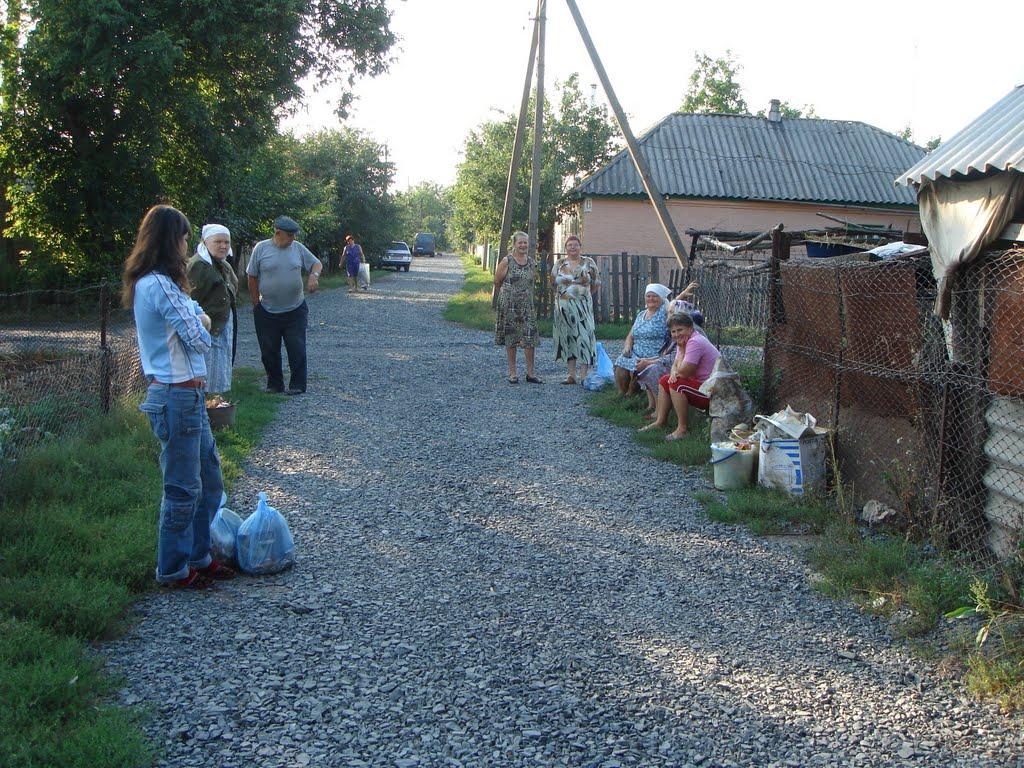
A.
pixel 657 288
pixel 209 230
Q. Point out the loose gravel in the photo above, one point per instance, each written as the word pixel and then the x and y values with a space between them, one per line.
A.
pixel 487 576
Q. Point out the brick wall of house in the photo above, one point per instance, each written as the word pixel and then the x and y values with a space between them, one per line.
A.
pixel 616 225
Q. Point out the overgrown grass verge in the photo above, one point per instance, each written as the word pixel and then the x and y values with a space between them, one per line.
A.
pixel 766 512
pixel 471 306
pixel 77 532
pixel 692 450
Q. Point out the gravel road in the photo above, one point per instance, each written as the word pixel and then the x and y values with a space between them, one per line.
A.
pixel 489 577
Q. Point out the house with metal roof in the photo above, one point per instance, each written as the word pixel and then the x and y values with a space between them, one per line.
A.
pixel 745 173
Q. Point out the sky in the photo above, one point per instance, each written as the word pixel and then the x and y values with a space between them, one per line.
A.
pixel 892 64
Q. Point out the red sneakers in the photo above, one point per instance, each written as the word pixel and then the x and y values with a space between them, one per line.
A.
pixel 194 580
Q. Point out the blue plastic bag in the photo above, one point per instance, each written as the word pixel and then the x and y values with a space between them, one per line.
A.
pixel 603 373
pixel 264 542
pixel 224 533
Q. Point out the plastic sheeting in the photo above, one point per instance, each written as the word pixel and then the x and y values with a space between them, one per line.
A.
pixel 960 218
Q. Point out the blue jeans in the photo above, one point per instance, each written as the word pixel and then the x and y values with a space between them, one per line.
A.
pixel 271 329
pixel 193 484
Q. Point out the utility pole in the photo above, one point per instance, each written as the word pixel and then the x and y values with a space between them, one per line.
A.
pixel 517 146
pixel 538 135
pixel 639 161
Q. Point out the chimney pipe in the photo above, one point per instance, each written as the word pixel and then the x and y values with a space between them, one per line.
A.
pixel 774 115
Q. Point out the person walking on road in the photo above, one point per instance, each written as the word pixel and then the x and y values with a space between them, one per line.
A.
pixel 515 322
pixel 353 255
pixel 174 334
pixel 279 307
pixel 215 286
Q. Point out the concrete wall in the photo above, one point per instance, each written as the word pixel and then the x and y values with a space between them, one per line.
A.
pixel 615 225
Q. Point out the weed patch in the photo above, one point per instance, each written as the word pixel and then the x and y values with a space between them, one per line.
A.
pixel 767 512
pixel 77 528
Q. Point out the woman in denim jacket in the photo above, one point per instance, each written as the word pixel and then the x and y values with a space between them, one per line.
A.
pixel 174 334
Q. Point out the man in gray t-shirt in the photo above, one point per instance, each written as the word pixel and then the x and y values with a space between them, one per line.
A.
pixel 279 308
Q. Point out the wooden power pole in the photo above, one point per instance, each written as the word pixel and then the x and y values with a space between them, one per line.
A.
pixel 517 144
pixel 634 150
pixel 538 135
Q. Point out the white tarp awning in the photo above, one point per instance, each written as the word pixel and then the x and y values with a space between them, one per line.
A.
pixel 960 218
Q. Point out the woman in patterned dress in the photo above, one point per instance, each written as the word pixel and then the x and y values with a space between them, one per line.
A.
pixel 648 335
pixel 515 323
pixel 573 323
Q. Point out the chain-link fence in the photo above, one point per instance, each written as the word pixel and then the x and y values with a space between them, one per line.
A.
pixel 927 415
pixel 64 355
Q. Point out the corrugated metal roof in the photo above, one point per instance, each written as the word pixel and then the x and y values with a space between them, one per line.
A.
pixel 749 158
pixel 992 142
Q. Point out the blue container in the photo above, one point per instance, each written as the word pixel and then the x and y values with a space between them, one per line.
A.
pixel 825 250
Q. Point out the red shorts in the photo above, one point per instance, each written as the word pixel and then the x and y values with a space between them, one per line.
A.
pixel 688 387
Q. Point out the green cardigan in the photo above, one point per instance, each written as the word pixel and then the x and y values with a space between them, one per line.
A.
pixel 215 288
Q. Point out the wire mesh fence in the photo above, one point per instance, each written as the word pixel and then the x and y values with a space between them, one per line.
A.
pixel 64 356
pixel 927 415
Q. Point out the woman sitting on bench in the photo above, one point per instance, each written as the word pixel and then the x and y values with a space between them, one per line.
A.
pixel 680 387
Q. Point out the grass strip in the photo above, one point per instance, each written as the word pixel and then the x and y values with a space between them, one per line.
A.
pixel 693 450
pixel 471 306
pixel 766 512
pixel 77 528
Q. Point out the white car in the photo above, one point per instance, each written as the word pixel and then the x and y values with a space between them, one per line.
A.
pixel 398 256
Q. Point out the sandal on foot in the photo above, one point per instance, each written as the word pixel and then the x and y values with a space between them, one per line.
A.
pixel 569 380
pixel 533 380
pixel 513 379
pixel 672 438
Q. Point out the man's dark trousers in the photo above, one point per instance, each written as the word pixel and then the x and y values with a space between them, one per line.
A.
pixel 271 329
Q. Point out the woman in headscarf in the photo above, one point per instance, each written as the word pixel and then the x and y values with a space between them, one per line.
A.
pixel 572 328
pixel 214 288
pixel 648 335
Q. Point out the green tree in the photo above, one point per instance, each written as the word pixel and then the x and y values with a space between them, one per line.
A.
pixel 714 87
pixel 578 140
pixel 933 143
pixel 332 182
pixel 427 207
pixel 117 105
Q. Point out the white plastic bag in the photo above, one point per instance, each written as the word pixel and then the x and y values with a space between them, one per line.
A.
pixel 364 276
pixel 265 544
pixel 787 423
pixel 224 534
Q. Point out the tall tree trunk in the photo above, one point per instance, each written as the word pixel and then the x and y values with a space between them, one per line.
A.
pixel 9 55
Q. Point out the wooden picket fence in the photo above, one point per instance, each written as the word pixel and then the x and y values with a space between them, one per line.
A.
pixel 730 293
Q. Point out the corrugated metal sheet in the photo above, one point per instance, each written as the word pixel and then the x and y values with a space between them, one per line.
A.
pixel 992 142
pixel 749 158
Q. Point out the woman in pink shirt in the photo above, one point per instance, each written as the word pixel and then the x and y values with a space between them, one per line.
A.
pixel 680 387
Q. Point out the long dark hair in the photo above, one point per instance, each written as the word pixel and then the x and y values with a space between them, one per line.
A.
pixel 158 248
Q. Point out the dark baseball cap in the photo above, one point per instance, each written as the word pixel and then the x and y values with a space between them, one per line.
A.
pixel 286 224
